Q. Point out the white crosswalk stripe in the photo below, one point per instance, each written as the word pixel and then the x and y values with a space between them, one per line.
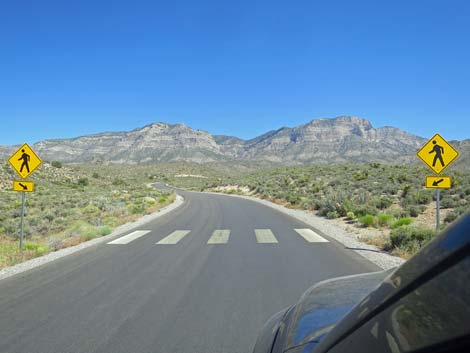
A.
pixel 310 236
pixel 219 236
pixel 265 236
pixel 126 239
pixel 174 237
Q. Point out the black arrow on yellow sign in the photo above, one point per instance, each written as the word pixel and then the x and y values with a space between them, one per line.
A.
pixel 437 182
pixel 23 186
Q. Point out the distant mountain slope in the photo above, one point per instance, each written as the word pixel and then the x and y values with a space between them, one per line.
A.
pixel 334 140
pixel 342 139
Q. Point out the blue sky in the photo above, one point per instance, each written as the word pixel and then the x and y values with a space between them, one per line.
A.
pixel 69 68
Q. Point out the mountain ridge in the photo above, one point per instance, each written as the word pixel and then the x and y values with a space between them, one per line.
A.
pixel 324 140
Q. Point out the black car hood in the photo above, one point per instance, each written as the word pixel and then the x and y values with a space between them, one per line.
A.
pixel 321 307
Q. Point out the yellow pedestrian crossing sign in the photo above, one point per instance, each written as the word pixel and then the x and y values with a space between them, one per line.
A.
pixel 25 161
pixel 437 154
pixel 23 186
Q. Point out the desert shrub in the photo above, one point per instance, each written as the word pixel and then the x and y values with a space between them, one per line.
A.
pixel 82 228
pixel 351 215
pixel 384 219
pixel 383 202
pixel 293 199
pixel 406 189
pixel 91 209
pixel 422 197
pixel 409 238
pixel 450 217
pixel 83 181
pixel 325 206
pixel 347 205
pixel 111 221
pixel 367 220
pixel 56 164
pixel 38 249
pixel 365 209
pixel 136 208
pixel 118 182
pixel 412 210
pixel 95 175
pixel 361 175
pixel 104 230
pixel 402 222
pixel 332 215
pixel 448 202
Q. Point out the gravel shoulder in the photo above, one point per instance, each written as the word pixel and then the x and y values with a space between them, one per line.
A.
pixel 39 261
pixel 349 240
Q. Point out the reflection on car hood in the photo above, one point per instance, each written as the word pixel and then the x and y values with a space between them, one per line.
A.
pixel 323 305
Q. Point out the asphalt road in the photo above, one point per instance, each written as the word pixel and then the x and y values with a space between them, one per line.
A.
pixel 185 297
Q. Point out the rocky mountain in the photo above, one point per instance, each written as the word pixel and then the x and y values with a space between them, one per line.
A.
pixel 342 139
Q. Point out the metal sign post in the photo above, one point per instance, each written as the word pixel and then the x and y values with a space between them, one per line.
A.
pixel 438 208
pixel 23 199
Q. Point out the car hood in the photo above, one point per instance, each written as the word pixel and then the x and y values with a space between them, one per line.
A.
pixel 321 307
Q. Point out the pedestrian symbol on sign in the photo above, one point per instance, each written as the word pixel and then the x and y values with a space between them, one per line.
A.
pixel 26 158
pixel 439 151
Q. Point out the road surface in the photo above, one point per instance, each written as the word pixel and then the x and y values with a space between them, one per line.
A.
pixel 201 279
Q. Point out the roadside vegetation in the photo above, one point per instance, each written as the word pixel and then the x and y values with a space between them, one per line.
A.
pixel 71 204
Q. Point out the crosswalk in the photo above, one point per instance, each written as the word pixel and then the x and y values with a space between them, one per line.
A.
pixel 174 237
pixel 220 237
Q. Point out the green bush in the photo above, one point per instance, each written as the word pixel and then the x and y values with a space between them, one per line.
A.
pixel 384 219
pixel 448 202
pixel 332 215
pixel 367 220
pixel 136 208
pixel 366 209
pixel 82 228
pixel 413 211
pixel 37 248
pixel 450 217
pixel 91 209
pixel 402 222
pixel 383 202
pixel 410 238
pixel 118 182
pixel 351 215
pixel 83 181
pixel 56 164
pixel 104 230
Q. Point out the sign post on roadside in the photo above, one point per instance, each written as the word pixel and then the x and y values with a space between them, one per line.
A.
pixel 24 161
pixel 437 154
